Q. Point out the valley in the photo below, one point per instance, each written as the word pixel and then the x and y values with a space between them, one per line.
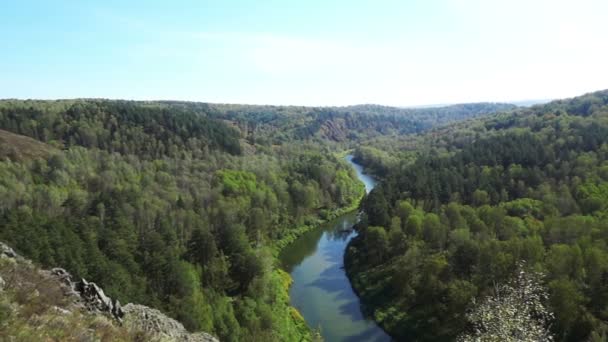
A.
pixel 303 171
pixel 242 221
pixel 321 290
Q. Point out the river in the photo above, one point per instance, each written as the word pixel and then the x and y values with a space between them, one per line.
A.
pixel 321 290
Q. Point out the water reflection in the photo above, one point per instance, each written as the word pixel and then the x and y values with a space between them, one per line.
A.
pixel 367 180
pixel 321 290
pixel 296 252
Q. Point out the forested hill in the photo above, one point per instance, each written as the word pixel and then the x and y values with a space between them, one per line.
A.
pixel 182 206
pixel 170 127
pixel 451 223
pixel 349 125
pixel 149 130
pixel 158 204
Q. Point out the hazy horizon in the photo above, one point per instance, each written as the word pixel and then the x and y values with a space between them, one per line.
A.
pixel 519 103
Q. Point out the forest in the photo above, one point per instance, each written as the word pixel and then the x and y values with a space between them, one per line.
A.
pixel 160 205
pixel 463 208
pixel 184 206
pixel 345 127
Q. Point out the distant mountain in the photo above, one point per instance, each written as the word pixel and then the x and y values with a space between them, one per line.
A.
pixel 276 124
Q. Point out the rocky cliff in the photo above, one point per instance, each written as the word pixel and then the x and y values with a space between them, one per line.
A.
pixel 38 304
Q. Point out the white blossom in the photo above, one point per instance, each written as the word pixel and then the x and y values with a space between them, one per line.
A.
pixel 515 312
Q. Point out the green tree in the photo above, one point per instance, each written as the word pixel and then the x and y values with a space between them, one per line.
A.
pixel 378 243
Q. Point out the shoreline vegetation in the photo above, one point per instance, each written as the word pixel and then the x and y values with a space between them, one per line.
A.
pixel 295 233
pixel 186 207
pixel 171 205
pixel 468 208
pixel 308 333
pixel 367 303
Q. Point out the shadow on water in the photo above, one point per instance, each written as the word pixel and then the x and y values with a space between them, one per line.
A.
pixel 330 285
pixel 368 336
pixel 307 244
pixel 352 309
pixel 303 247
pixel 321 290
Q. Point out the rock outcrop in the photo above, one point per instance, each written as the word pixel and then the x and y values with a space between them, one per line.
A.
pixel 88 294
pixel 335 130
pixel 143 318
pixel 95 299
pixel 7 252
pixel 88 297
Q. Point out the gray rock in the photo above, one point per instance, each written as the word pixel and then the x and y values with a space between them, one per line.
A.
pixel 61 311
pixel 159 325
pixel 94 296
pixel 63 275
pixel 68 286
pixel 88 296
pixel 117 311
pixel 6 251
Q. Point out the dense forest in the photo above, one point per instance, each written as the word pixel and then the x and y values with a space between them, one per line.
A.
pixel 183 206
pixel 345 127
pixel 161 206
pixel 462 209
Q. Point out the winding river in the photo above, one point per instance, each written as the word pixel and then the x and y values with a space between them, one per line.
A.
pixel 321 290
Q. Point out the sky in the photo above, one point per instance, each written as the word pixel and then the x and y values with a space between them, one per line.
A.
pixel 312 52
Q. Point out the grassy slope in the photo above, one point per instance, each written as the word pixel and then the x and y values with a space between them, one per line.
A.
pixel 19 147
pixel 34 307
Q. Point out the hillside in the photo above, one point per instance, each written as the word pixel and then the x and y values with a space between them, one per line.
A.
pixel 159 205
pixel 456 215
pixel 345 125
pixel 38 304
pixel 182 206
pixel 149 130
pixel 19 148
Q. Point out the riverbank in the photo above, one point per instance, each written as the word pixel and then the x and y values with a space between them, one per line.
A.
pixel 297 232
pixel 355 282
pixel 290 315
pixel 321 291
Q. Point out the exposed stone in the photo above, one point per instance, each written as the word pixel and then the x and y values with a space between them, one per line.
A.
pixel 152 321
pixel 67 285
pixel 63 275
pixel 61 311
pixel 117 311
pixel 6 251
pixel 88 296
pixel 334 129
pixel 96 300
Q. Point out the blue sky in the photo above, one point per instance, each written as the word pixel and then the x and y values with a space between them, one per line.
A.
pixel 304 52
